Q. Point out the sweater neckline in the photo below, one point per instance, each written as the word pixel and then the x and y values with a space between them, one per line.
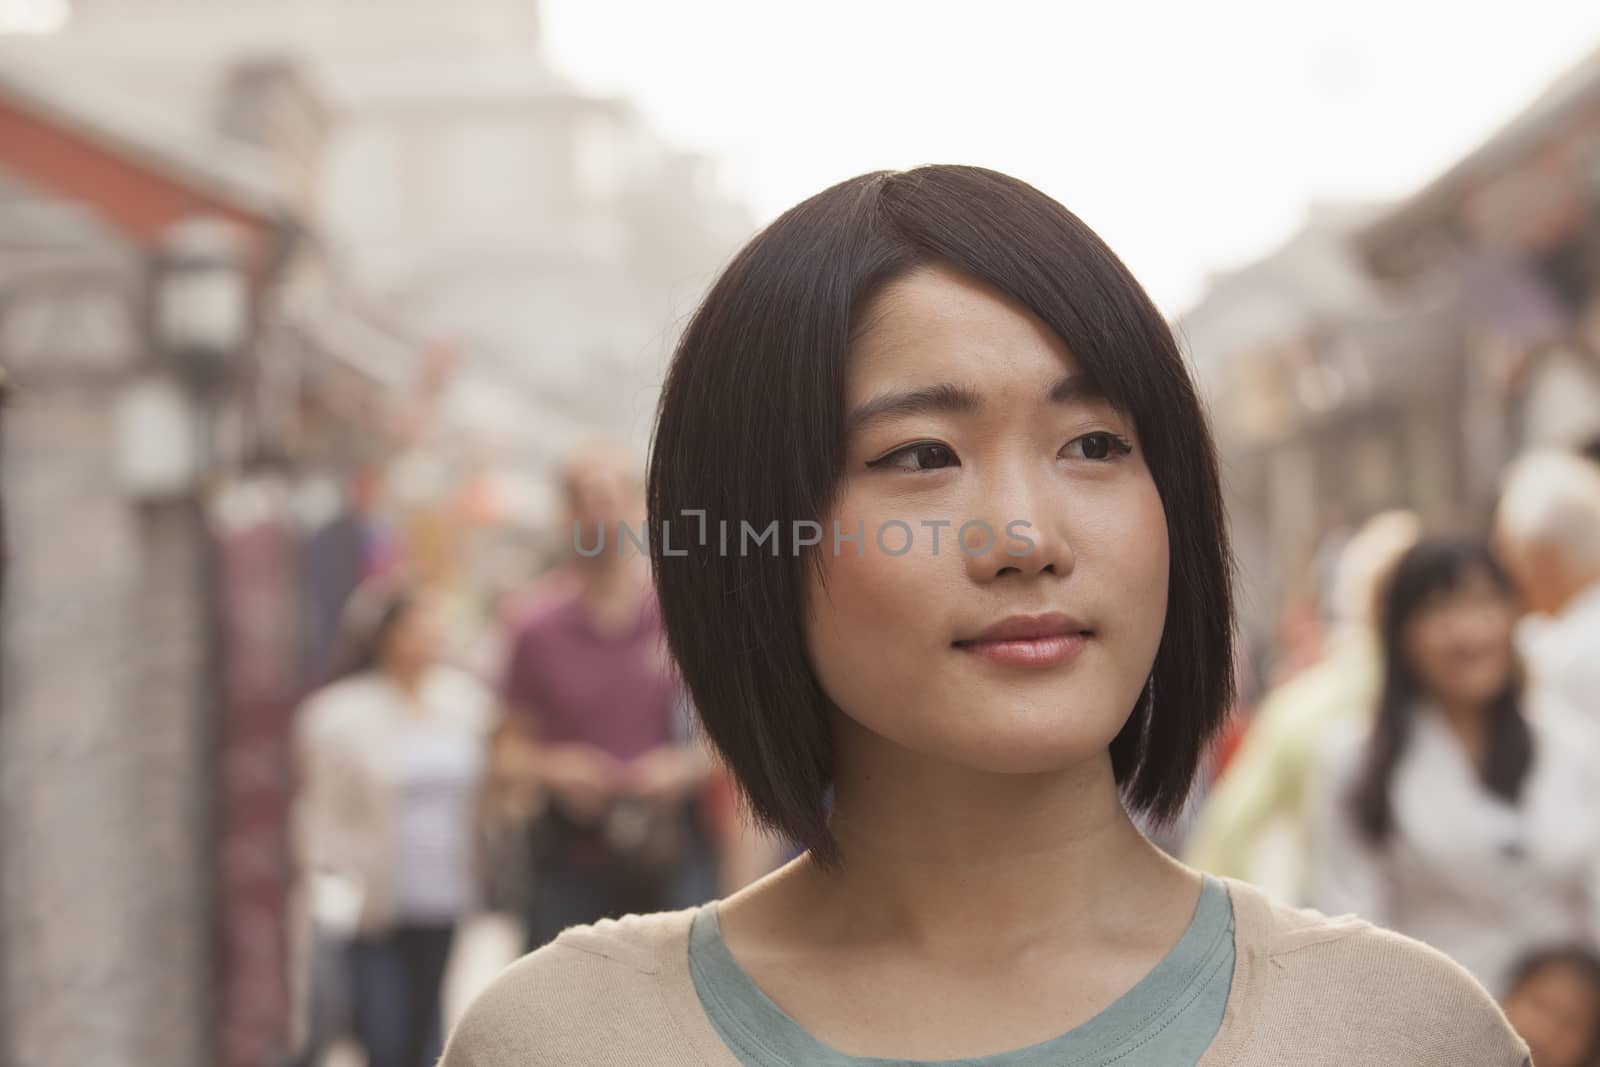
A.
pixel 1252 933
pixel 1154 1001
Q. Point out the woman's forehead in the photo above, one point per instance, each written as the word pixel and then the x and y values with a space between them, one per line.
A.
pixel 939 324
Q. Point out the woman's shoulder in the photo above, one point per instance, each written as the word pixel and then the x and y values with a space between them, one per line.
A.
pixel 588 996
pixel 336 706
pixel 1360 992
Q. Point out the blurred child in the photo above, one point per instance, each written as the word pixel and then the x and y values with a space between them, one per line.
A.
pixel 1554 1003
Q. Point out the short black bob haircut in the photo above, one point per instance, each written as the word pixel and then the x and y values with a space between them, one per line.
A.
pixel 750 428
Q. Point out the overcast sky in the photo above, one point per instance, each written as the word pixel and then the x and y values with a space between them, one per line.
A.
pixel 1190 135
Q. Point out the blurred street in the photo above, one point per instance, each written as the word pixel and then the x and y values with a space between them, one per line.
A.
pixel 323 321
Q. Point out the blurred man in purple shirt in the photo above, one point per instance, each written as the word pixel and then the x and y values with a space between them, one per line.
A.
pixel 598 722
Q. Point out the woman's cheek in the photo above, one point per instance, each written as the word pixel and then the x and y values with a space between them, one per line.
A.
pixel 866 586
pixel 1134 544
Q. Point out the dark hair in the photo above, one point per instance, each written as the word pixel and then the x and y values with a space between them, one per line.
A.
pixel 1590 449
pixel 370 616
pixel 751 427
pixel 1576 957
pixel 1430 568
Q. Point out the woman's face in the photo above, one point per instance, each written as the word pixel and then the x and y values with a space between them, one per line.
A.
pixel 1554 1012
pixel 413 641
pixel 962 408
pixel 1460 643
pixel 601 492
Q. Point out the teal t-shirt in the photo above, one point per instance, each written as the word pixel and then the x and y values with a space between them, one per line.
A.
pixel 1166 1020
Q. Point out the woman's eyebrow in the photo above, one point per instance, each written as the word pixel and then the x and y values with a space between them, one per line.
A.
pixel 1075 388
pixel 946 397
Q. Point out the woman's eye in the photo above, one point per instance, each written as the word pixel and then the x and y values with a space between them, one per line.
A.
pixel 925 457
pixel 1099 446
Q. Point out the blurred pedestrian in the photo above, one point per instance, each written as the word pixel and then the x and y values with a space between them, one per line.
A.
pixel 1264 783
pixel 1463 816
pixel 391 758
pixel 1553 1001
pixel 598 720
pixel 1547 527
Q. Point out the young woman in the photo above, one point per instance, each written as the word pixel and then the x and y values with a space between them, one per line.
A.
pixel 392 763
pixel 946 353
pixel 1463 816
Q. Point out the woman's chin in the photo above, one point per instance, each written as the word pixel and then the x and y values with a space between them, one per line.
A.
pixel 1021 750
pixel 994 735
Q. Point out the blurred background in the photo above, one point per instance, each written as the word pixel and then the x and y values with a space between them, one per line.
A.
pixel 297 295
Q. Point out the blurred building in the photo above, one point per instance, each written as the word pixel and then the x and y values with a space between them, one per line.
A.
pixel 1329 400
pixel 109 701
pixel 197 401
pixel 1401 355
pixel 458 180
pixel 1514 230
pixel 1243 337
pixel 452 267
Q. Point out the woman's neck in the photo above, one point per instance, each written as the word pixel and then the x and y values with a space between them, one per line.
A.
pixel 1467 721
pixel 962 863
pixel 406 677
pixel 612 593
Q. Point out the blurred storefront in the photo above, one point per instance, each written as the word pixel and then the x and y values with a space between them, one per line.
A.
pixel 1330 403
pixel 196 469
pixel 398 177
pixel 458 178
pixel 1513 230
pixel 129 292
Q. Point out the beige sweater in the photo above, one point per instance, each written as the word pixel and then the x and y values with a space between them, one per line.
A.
pixel 1308 991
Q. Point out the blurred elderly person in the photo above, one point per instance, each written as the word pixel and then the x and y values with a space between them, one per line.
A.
pixel 1547 529
pixel 1463 814
pixel 1264 782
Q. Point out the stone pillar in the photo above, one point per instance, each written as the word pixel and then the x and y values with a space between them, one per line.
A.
pixel 102 762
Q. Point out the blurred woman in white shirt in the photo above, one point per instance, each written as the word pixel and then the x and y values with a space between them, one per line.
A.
pixel 392 764
pixel 1465 814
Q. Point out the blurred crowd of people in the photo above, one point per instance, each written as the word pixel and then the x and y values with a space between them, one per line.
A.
pixel 1437 770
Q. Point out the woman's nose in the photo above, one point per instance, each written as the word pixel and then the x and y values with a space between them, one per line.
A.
pixel 1019 529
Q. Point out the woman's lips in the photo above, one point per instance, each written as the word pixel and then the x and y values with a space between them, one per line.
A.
pixel 1047 651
